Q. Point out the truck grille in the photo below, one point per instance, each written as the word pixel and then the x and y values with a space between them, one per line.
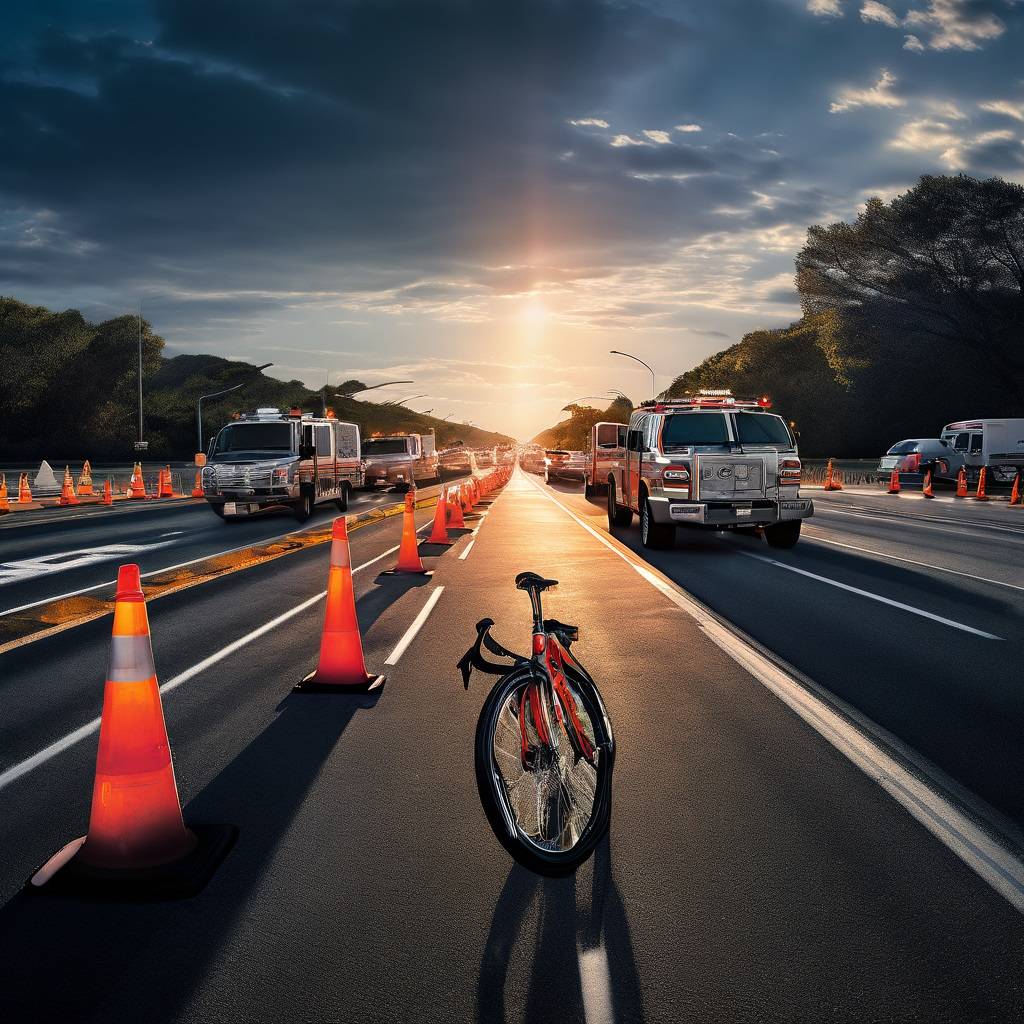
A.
pixel 741 479
pixel 230 477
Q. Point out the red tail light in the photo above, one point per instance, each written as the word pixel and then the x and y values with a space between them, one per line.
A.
pixel 789 471
pixel 911 463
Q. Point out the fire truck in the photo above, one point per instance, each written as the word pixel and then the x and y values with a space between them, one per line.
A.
pixel 708 460
pixel 274 460
pixel 400 460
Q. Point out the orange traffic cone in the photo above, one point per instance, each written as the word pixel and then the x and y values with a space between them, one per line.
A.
pixel 894 482
pixel 980 494
pixel 341 668
pixel 24 491
pixel 467 505
pixel 197 489
pixel 108 493
pixel 165 489
pixel 137 486
pixel 5 505
pixel 137 841
pixel 67 491
pixel 961 483
pixel 1015 497
pixel 454 510
pixel 926 488
pixel 439 533
pixel 831 480
pixel 409 560
pixel 85 481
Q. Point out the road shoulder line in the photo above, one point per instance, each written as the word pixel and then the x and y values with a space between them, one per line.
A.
pixel 980 851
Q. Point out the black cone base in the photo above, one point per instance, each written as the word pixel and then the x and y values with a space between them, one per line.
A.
pixel 178 880
pixel 406 572
pixel 310 685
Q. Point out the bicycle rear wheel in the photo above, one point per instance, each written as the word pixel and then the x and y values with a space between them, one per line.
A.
pixel 552 813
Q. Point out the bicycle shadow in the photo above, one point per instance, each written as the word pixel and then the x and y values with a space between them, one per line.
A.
pixel 581 966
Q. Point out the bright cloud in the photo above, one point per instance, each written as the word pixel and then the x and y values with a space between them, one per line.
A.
pixel 628 140
pixel 825 8
pixel 878 95
pixel 589 122
pixel 913 44
pixel 658 136
pixel 874 11
pixel 1006 107
pixel 687 128
pixel 956 24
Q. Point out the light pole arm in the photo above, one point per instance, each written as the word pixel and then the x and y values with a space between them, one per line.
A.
pixel 199 410
pixel 637 359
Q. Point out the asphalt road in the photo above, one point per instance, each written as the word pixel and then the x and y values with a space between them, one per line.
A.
pixel 753 873
pixel 911 611
pixel 53 552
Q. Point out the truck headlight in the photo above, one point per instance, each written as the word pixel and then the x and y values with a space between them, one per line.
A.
pixel 281 476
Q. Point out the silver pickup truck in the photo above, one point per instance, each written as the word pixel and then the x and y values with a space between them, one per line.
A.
pixel 274 460
pixel 709 460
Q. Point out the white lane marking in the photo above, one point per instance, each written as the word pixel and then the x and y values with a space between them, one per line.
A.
pixel 16 771
pixel 417 625
pixel 883 516
pixel 173 533
pixel 596 985
pixel 980 852
pixel 912 561
pixel 166 568
pixel 872 596
pixel 469 547
pixel 26 569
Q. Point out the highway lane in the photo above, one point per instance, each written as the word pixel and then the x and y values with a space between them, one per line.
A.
pixel 66 551
pixel 892 606
pixel 753 873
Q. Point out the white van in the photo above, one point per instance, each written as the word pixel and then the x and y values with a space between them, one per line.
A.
pixel 997 444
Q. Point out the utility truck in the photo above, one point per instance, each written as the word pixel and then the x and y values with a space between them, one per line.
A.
pixel 274 460
pixel 400 460
pixel 706 460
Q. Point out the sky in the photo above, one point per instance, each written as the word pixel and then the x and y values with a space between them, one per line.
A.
pixel 482 196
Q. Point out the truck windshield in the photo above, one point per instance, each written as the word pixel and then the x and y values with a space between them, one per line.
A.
pixel 688 429
pixel 254 437
pixel 760 428
pixel 385 446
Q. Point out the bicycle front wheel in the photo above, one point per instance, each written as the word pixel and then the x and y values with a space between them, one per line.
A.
pixel 548 806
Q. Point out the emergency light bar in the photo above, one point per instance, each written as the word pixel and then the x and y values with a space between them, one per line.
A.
pixel 708 400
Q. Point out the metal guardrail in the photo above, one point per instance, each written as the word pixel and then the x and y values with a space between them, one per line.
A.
pixel 855 472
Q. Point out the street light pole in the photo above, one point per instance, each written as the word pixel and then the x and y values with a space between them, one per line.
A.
pixel 140 374
pixel 217 394
pixel 654 386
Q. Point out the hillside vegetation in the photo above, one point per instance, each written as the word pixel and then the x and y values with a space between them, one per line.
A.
pixel 69 391
pixel 913 316
pixel 573 433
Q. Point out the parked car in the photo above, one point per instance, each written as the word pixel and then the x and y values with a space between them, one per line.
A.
pixel 911 458
pixel 564 465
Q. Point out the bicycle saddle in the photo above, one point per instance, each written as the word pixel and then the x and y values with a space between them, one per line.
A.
pixel 531 581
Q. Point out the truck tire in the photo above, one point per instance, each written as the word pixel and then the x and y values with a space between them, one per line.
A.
pixel 617 516
pixel 342 502
pixel 655 536
pixel 783 535
pixel 304 509
pixel 588 491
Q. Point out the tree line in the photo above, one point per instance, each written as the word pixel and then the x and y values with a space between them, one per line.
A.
pixel 69 391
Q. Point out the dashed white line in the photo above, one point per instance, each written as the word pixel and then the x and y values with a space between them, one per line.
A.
pixel 417 625
pixel 872 596
pixel 16 771
pixel 469 547
pixel 913 561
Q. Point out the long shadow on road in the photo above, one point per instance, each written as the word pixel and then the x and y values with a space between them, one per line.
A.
pixel 581 965
pixel 81 960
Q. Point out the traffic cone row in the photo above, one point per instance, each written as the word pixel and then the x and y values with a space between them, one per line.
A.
pixel 197 489
pixel 980 494
pixel 894 482
pixel 164 487
pixel 832 478
pixel 138 844
pixel 108 492
pixel 24 491
pixel 961 483
pixel 5 505
pixel 85 481
pixel 1015 491
pixel 926 487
